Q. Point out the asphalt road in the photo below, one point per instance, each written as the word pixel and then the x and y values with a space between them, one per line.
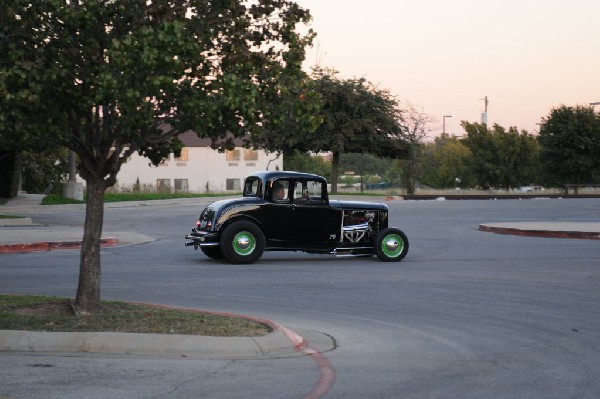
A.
pixel 467 314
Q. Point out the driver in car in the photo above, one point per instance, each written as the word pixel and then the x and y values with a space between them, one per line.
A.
pixel 278 191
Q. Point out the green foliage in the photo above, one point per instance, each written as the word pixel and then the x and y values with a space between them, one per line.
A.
pixel 57 199
pixel 570 146
pixel 304 162
pixel 357 116
pixel 500 158
pixel 44 170
pixel 107 79
pixel 444 161
pixel 365 164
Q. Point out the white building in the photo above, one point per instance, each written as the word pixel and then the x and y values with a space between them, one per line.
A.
pixel 199 169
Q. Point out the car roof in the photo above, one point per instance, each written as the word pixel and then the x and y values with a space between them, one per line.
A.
pixel 284 174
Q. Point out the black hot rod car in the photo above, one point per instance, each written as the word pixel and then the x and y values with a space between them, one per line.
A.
pixel 291 211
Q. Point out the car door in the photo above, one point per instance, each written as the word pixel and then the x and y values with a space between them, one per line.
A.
pixel 276 213
pixel 314 224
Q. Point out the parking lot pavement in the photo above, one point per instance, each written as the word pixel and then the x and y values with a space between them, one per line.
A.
pixel 24 235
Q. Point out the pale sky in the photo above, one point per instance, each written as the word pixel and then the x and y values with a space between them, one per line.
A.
pixel 526 56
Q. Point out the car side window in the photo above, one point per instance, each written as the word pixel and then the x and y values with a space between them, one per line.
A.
pixel 251 188
pixel 308 192
pixel 280 191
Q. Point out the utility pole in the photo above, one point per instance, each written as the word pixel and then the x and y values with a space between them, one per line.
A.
pixel 444 124
pixel 484 115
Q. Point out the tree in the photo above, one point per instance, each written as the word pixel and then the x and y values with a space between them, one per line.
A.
pixel 44 171
pixel 304 162
pixel 416 122
pixel 500 158
pixel 570 146
pixel 108 79
pixel 357 117
pixel 444 161
pixel 366 166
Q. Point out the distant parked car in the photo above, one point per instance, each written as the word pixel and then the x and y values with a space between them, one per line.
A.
pixel 291 211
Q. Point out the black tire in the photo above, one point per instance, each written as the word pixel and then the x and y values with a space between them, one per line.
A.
pixel 212 252
pixel 242 242
pixel 391 245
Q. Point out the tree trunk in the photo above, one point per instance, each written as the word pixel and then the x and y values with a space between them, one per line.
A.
pixel 335 163
pixel 10 173
pixel 410 169
pixel 88 290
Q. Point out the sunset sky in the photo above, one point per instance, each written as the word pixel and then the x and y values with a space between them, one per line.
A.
pixel 526 56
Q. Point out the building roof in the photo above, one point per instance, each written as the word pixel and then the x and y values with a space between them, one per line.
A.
pixel 191 139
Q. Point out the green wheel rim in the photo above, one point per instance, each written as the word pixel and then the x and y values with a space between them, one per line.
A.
pixel 244 243
pixel 392 245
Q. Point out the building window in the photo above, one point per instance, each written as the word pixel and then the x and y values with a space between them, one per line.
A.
pixel 250 155
pixel 232 185
pixel 163 185
pixel 183 156
pixel 181 185
pixel 232 155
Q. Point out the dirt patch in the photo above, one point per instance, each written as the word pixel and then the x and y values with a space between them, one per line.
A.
pixel 64 308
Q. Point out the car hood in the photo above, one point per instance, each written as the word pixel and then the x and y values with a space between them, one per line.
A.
pixel 358 205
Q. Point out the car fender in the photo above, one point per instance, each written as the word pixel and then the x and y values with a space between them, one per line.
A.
pixel 234 217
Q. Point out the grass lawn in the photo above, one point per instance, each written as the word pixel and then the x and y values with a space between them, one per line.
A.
pixel 56 199
pixel 40 313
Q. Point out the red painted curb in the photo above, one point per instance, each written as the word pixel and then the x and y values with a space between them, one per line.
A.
pixel 51 246
pixel 585 235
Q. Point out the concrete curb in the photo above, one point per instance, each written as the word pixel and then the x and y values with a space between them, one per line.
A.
pixel 52 245
pixel 273 344
pixel 588 231
pixel 20 221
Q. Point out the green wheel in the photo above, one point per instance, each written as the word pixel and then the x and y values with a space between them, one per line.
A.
pixel 391 245
pixel 242 242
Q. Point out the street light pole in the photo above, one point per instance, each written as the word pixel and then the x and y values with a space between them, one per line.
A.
pixel 444 124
